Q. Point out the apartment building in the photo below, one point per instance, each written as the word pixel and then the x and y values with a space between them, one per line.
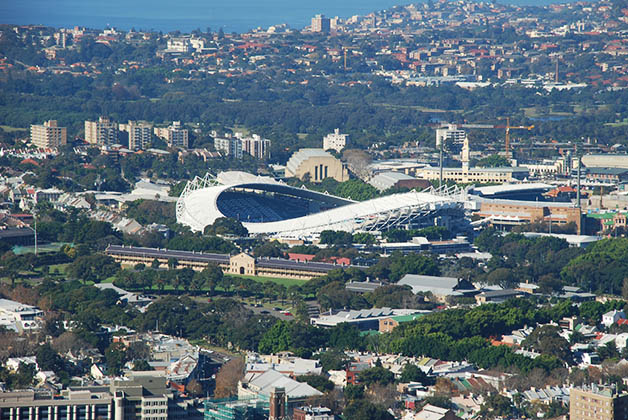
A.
pixel 48 134
pixel 256 146
pixel 85 404
pixel 140 134
pixel 335 141
pixel 102 132
pixel 175 135
pixel 450 133
pixel 141 398
pixel 236 145
pixel 320 23
pixel 229 146
pixel 597 402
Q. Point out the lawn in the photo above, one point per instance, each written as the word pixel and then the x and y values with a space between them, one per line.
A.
pixel 10 129
pixel 282 281
pixel 418 108
pixel 60 268
pixel 619 123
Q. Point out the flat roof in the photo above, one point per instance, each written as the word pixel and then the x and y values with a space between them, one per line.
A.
pixel 525 203
pixel 16 232
pixel 571 239
pixel 504 188
pixel 13 306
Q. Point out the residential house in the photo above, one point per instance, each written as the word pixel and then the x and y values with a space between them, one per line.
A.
pixel 612 317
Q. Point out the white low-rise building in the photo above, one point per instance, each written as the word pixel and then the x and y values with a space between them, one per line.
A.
pixel 19 316
pixel 13 363
pixel 611 317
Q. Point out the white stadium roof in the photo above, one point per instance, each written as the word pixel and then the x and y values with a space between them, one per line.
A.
pixel 197 206
pixel 506 188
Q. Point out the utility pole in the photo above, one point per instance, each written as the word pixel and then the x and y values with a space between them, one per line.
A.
pixel 35 219
pixel 578 193
pixel 507 137
pixel 440 164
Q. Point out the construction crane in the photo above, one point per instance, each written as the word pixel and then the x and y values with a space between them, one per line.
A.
pixel 507 127
pixel 345 49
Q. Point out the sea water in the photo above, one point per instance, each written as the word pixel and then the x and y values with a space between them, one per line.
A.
pixel 187 15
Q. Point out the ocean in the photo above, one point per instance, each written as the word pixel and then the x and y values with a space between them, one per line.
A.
pixel 186 15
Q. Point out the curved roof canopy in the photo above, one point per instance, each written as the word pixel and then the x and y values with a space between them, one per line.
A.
pixel 197 206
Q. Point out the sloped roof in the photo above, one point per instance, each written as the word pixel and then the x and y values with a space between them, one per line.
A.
pixel 294 389
pixel 441 286
pixel 385 180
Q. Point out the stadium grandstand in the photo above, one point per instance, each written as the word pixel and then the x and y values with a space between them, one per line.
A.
pixel 267 206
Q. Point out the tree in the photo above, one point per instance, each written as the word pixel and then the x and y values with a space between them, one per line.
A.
pixel 358 161
pixel 155 264
pixel 317 381
pixel 331 237
pixel 354 392
pixel 364 238
pixel 592 311
pixel 226 226
pixel 608 351
pixel 550 284
pixel 496 406
pixel 115 355
pixel 94 268
pixel 412 373
pixel 600 268
pixel 624 289
pixel 503 277
pixel 545 339
pixel 376 374
pixel 269 249
pixel 228 377
pixel 493 161
pixel 213 276
pixel 48 359
pixel 400 265
pixel 172 263
pixel 345 336
pixel 68 342
pixel 333 360
pixel 365 410
pixel 141 365
pixel 137 351
pixel 194 388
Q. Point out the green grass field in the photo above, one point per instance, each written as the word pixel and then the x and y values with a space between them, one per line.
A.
pixel 417 108
pixel 60 268
pixel 618 124
pixel 282 281
pixel 9 129
pixel 51 247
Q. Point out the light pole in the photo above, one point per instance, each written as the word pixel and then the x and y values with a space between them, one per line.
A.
pixel 35 220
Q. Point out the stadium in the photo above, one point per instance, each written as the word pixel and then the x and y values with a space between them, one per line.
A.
pixel 270 207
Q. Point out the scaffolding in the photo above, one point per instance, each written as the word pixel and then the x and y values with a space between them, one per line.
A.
pixel 235 408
